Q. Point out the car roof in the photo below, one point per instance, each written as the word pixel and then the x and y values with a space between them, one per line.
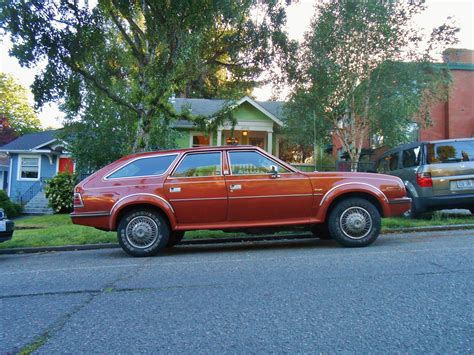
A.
pixel 195 149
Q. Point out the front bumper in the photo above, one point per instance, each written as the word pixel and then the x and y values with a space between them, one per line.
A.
pixel 8 232
pixel 444 202
pixel 399 206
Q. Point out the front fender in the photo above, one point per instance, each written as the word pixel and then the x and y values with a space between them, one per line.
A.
pixel 347 188
pixel 140 199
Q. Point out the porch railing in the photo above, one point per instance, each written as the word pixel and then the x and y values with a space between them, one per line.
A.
pixel 32 191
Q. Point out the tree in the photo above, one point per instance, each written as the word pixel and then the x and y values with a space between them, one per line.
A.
pixel 365 68
pixel 14 106
pixel 137 53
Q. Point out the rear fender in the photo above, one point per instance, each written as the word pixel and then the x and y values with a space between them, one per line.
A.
pixel 348 188
pixel 140 199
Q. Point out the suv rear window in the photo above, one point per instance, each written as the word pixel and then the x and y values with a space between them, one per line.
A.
pixel 450 152
pixel 144 167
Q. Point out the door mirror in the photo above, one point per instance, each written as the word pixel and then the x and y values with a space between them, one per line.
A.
pixel 274 171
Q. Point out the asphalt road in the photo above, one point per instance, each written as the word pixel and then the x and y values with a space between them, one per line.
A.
pixel 406 293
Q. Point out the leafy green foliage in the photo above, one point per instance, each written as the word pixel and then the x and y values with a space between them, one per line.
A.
pixel 365 68
pixel 59 191
pixel 11 209
pixel 15 107
pixel 137 53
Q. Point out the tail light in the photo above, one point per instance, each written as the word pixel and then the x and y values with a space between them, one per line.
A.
pixel 78 200
pixel 423 179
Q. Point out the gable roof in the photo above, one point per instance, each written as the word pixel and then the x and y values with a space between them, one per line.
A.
pixel 31 141
pixel 209 107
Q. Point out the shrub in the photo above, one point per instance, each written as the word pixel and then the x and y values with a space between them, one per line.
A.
pixel 11 209
pixel 59 190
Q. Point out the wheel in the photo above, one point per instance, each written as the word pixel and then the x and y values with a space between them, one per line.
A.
pixel 354 222
pixel 412 213
pixel 143 232
pixel 175 238
pixel 321 231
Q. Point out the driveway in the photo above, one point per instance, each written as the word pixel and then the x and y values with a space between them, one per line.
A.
pixel 406 293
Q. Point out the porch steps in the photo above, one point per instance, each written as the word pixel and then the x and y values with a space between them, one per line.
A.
pixel 38 205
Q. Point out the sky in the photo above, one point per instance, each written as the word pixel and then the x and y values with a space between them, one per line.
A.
pixel 299 15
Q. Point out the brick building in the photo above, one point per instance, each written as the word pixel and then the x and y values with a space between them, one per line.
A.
pixel 455 117
pixel 451 119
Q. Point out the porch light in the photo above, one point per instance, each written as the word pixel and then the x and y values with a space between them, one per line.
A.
pixel 244 133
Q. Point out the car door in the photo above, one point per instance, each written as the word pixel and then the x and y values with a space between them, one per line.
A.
pixel 196 189
pixel 257 195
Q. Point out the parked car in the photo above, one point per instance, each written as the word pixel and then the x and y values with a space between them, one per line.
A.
pixel 6 227
pixel 151 199
pixel 437 175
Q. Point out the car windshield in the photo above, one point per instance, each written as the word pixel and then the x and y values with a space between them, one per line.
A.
pixel 450 152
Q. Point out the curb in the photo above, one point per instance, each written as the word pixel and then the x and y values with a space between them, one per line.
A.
pixel 226 240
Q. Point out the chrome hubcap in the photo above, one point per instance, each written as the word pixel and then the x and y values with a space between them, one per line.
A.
pixel 356 222
pixel 142 232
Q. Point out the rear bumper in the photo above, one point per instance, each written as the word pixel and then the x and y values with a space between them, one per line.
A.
pixel 441 202
pixel 8 233
pixel 399 206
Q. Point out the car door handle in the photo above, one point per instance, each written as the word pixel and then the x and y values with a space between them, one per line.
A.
pixel 235 187
pixel 175 189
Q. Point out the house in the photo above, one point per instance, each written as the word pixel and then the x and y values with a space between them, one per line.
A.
pixel 258 123
pixel 34 158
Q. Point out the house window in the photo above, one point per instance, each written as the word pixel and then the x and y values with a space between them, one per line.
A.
pixel 200 140
pixel 29 168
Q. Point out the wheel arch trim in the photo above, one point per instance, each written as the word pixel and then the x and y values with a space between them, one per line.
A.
pixel 140 199
pixel 348 188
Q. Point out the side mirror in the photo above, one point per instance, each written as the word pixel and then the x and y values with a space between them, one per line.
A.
pixel 274 172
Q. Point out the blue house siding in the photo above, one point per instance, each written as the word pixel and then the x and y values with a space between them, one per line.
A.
pixel 19 187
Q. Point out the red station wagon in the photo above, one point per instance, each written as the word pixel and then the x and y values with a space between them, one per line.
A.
pixel 152 199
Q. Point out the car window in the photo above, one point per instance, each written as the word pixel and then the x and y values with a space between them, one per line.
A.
pixel 248 163
pixel 144 167
pixel 393 161
pixel 382 165
pixel 411 157
pixel 201 164
pixel 450 152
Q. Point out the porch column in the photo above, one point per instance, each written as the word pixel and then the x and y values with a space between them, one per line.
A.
pixel 269 142
pixel 219 137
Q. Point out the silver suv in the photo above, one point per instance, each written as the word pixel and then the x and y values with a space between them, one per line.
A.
pixel 437 175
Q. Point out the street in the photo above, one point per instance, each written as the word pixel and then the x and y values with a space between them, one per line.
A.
pixel 405 293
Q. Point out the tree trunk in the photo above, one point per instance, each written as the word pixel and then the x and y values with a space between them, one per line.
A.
pixel 142 138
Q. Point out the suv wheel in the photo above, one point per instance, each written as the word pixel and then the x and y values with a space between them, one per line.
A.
pixel 354 222
pixel 175 238
pixel 143 232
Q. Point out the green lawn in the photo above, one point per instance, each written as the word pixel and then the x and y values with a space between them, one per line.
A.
pixel 58 230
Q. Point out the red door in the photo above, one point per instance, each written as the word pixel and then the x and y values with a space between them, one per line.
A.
pixel 66 165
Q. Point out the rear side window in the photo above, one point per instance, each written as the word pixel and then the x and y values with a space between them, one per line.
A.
pixel 144 167
pixel 250 163
pixel 203 164
pixel 411 157
pixel 450 152
pixel 393 161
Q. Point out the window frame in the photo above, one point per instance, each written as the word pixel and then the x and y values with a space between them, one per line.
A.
pixel 108 178
pixel 171 175
pixel 198 133
pixel 20 158
pixel 420 153
pixel 290 171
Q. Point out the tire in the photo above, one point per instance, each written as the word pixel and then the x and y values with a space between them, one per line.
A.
pixel 321 231
pixel 175 238
pixel 354 222
pixel 143 232
pixel 412 213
